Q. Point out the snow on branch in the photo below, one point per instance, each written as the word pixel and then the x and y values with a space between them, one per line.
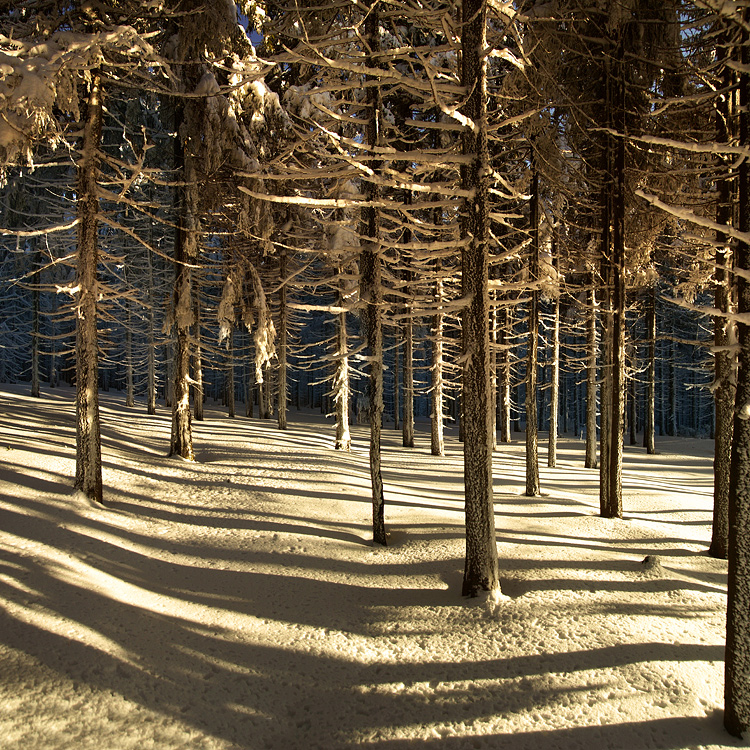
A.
pixel 316 202
pixel 39 232
pixel 687 215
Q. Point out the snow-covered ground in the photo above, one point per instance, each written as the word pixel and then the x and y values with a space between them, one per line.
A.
pixel 238 602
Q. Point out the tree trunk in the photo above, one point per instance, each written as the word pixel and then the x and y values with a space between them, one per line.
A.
pixel 35 320
pixel 229 376
pixel 737 664
pixel 371 291
pixel 649 428
pixel 532 346
pixel 437 438
pixel 504 400
pixel 250 380
pixel 282 350
pixel 554 376
pixel 198 392
pixel 481 567
pixel 408 426
pixel 88 434
pixel 151 342
pixel 591 357
pixel 612 442
pixel 341 386
pixel 129 392
pixel 724 383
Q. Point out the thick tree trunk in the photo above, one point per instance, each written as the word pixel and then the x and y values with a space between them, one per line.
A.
pixel 88 434
pixel 481 568
pixel 614 257
pixel 371 291
pixel 186 253
pixel 282 349
pixel 737 659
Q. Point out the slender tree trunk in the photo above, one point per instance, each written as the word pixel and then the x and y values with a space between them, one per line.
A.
pixel 282 349
pixel 554 376
pixel 494 335
pixel 341 387
pixel 724 333
pixel 505 371
pixel 198 393
pixel 437 438
pixel 53 375
pixel 36 313
pixel 250 380
pixel 129 392
pixel 408 427
pixel 737 658
pixel 532 347
pixel 371 291
pixel 632 398
pixel 88 433
pixel 481 567
pixel 229 376
pixel 151 342
pixel 591 357
pixel 397 378
pixel 649 428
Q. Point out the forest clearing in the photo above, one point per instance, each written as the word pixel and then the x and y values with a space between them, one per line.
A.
pixel 238 601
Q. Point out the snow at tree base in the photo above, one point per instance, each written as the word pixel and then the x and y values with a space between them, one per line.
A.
pixel 239 602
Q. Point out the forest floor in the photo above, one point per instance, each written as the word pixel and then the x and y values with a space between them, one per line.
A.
pixel 238 601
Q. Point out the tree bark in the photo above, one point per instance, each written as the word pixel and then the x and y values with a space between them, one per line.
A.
pixel 88 434
pixel 437 438
pixel 614 258
pixel 737 658
pixel 129 392
pixel 35 320
pixel 481 567
pixel 532 347
pixel 185 253
pixel 554 376
pixel 408 426
pixel 649 428
pixel 724 383
pixel 504 399
pixel 229 382
pixel 282 350
pixel 341 385
pixel 198 394
pixel 371 291
pixel 591 388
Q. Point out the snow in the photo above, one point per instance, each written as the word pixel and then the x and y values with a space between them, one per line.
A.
pixel 238 601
